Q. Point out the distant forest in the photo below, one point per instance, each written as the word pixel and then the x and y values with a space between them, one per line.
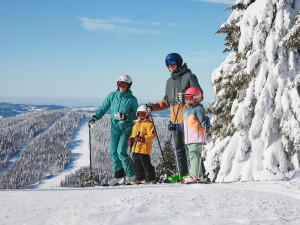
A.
pixel 35 146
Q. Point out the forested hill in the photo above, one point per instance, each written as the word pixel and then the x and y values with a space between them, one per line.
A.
pixel 36 145
pixel 8 109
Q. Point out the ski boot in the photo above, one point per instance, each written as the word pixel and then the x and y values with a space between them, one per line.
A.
pixel 176 178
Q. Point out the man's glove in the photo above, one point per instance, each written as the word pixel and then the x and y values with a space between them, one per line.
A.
pixel 173 127
pixel 206 121
pixel 130 142
pixel 139 139
pixel 149 106
pixel 121 116
pixel 179 98
pixel 92 121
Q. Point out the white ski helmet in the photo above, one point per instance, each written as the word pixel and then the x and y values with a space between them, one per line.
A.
pixel 142 111
pixel 125 78
pixel 142 108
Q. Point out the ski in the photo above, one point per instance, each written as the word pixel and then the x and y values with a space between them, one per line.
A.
pixel 117 185
pixel 199 182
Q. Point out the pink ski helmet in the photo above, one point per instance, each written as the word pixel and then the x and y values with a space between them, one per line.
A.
pixel 193 95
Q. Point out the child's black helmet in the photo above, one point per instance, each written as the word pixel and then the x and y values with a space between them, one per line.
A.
pixel 176 57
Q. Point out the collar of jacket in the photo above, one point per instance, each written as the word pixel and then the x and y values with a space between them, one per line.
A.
pixel 193 106
pixel 123 94
pixel 144 120
pixel 183 70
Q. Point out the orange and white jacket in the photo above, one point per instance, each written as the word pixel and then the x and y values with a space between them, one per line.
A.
pixel 194 125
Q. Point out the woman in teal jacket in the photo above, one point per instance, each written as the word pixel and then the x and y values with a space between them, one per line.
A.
pixel 123 108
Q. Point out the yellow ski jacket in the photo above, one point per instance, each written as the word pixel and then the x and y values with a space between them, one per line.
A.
pixel 143 128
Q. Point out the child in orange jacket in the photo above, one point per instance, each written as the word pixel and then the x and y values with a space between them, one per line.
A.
pixel 140 142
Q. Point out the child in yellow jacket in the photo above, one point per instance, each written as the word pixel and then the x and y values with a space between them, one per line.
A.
pixel 140 142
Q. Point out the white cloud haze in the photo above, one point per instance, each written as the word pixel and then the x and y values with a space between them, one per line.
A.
pixel 125 25
pixel 227 2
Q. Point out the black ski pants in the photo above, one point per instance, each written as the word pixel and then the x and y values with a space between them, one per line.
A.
pixel 143 167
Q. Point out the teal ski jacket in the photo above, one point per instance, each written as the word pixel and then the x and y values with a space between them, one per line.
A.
pixel 123 102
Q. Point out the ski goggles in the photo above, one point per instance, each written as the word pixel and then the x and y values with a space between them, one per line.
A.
pixel 122 84
pixel 189 97
pixel 170 62
pixel 142 114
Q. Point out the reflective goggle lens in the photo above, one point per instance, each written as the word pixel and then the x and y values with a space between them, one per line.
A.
pixel 122 84
pixel 171 62
pixel 141 114
pixel 189 97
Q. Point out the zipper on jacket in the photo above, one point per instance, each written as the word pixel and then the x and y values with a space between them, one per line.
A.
pixel 173 95
pixel 119 103
pixel 138 131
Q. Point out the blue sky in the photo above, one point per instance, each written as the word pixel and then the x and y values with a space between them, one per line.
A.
pixel 77 49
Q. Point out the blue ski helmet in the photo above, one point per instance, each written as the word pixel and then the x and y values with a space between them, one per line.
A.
pixel 176 57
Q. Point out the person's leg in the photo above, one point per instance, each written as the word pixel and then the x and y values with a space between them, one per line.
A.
pixel 138 168
pixel 181 152
pixel 122 153
pixel 148 168
pixel 195 155
pixel 117 164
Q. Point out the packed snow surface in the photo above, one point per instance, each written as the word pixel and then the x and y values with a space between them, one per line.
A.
pixel 261 202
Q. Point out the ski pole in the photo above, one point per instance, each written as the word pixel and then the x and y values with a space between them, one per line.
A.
pixel 200 161
pixel 158 140
pixel 131 152
pixel 90 146
pixel 173 132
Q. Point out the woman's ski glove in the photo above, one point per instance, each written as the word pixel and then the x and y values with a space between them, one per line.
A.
pixel 179 98
pixel 92 121
pixel 139 139
pixel 121 116
pixel 130 142
pixel 149 106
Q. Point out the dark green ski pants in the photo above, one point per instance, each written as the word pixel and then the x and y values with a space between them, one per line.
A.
pixel 181 151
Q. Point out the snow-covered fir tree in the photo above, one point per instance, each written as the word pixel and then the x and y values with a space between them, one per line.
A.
pixel 256 110
pixel 167 164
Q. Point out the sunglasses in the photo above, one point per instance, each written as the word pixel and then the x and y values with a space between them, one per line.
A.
pixel 142 114
pixel 170 62
pixel 122 84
